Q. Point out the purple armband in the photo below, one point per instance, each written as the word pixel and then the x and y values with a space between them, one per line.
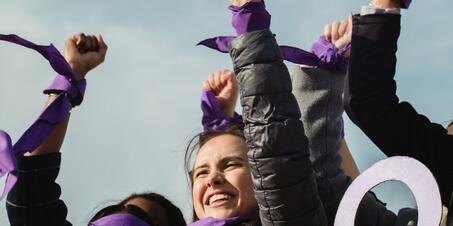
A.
pixel 209 221
pixel 330 57
pixel 119 220
pixel 252 16
pixel 71 94
pixel 213 118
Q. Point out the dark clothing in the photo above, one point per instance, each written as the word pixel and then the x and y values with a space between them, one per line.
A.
pixel 371 102
pixel 35 199
pixel 283 178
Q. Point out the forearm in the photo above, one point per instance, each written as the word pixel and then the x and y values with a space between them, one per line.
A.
pixel 319 94
pixel 55 141
pixel 275 136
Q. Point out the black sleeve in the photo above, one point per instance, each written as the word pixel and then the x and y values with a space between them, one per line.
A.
pixel 371 101
pixel 35 199
pixel 283 178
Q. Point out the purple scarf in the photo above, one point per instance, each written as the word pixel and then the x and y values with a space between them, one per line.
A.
pixel 70 94
pixel 213 118
pixel 119 219
pixel 253 16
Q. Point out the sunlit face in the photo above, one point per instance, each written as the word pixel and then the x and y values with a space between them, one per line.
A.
pixel 222 183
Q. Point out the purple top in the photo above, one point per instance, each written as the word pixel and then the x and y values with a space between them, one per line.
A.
pixel 209 221
pixel 253 16
pixel 70 94
pixel 119 219
pixel 213 118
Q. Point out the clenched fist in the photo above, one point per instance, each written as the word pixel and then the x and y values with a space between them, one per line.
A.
pixel 226 89
pixel 84 52
pixel 339 33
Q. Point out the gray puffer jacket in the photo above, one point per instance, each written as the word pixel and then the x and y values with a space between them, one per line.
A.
pixel 283 178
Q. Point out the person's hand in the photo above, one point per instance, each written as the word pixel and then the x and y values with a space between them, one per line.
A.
pixel 242 2
pixel 84 53
pixel 226 89
pixel 339 33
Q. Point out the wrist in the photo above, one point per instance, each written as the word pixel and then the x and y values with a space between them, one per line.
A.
pixel 79 70
pixel 228 112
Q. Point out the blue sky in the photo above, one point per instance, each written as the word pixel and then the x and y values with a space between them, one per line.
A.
pixel 142 105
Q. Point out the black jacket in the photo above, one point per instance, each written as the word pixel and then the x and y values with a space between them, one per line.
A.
pixel 35 199
pixel 371 102
pixel 283 178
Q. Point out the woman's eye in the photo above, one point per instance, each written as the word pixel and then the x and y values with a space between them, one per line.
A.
pixel 233 165
pixel 201 173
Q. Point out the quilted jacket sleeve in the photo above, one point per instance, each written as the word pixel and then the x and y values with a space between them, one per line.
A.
pixel 283 177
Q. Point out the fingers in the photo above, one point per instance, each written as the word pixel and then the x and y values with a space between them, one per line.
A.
pixel 328 32
pixel 343 28
pixel 217 81
pixel 339 33
pixel 88 43
pixel 335 31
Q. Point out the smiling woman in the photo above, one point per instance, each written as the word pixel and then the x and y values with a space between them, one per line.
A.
pixel 221 178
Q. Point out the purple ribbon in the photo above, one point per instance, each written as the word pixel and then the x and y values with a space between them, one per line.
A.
pixel 71 94
pixel 209 221
pixel 213 118
pixel 120 219
pixel 253 16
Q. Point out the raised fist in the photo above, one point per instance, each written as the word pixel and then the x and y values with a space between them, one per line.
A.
pixel 339 33
pixel 226 89
pixel 84 52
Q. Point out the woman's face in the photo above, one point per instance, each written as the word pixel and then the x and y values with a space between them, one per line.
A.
pixel 450 129
pixel 222 183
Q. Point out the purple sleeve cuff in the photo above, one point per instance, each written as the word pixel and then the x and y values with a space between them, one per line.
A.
pixel 71 94
pixel 213 118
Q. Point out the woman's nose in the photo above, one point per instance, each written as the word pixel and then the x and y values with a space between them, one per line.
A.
pixel 215 178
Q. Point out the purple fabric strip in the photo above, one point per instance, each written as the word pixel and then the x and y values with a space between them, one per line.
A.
pixel 119 220
pixel 253 16
pixel 71 94
pixel 330 57
pixel 209 221
pixel 323 53
pixel 213 118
